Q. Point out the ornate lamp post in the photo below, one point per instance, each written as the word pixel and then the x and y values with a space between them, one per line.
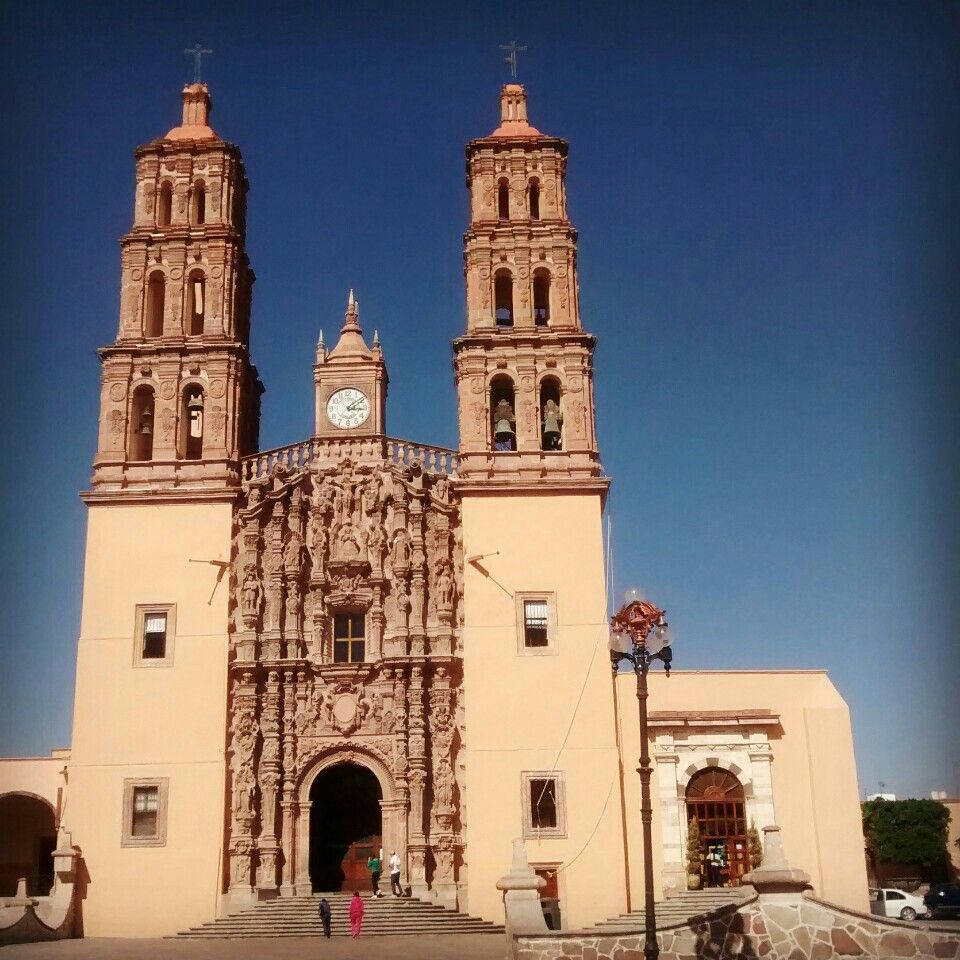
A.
pixel 640 635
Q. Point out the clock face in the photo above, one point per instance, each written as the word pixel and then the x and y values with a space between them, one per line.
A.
pixel 348 408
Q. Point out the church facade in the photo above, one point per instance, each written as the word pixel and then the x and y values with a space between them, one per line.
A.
pixel 291 658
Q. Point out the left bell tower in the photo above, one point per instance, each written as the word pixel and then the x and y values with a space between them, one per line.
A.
pixel 179 403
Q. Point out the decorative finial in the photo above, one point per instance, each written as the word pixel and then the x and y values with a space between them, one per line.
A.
pixel 320 341
pixel 511 58
pixel 197 53
pixel 351 301
pixel 376 338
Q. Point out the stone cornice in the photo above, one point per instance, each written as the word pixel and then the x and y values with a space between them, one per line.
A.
pixel 173 495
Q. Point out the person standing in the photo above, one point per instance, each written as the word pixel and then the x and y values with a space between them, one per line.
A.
pixel 395 887
pixel 374 866
pixel 325 916
pixel 356 914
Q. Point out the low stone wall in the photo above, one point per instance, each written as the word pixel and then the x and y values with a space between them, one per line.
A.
pixel 792 929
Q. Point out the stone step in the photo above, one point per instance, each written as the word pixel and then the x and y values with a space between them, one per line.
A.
pixel 694 903
pixel 299 917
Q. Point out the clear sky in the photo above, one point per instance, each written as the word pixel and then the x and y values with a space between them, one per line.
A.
pixel 767 200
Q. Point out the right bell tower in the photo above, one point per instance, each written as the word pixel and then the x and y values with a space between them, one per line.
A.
pixel 524 369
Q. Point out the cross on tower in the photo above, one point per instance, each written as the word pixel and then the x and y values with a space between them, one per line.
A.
pixel 197 53
pixel 511 57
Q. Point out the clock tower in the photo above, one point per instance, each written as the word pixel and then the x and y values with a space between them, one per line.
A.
pixel 351 383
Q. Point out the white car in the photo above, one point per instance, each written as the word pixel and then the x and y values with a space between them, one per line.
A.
pixel 887 902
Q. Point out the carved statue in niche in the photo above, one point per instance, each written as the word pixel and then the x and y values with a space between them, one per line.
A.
pixel 401 599
pixel 443 783
pixel 443 587
pixel 349 542
pixel 400 555
pixel 244 740
pixel 371 496
pixel 376 711
pixel 292 551
pixel 251 596
pixel 375 543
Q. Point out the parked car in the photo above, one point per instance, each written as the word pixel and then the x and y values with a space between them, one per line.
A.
pixel 887 902
pixel 943 900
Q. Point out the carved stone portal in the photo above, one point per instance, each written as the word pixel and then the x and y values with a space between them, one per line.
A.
pixel 379 545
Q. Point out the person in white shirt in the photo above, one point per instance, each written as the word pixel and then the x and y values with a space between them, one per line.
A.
pixel 395 887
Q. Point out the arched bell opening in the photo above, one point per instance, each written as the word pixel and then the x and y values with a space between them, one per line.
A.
pixel 534 199
pixel 165 205
pixel 154 305
pixel 198 206
pixel 503 421
pixel 140 441
pixel 503 200
pixel 196 303
pixel 541 297
pixel 191 423
pixel 503 298
pixel 715 797
pixel 551 418
pixel 28 837
pixel 346 827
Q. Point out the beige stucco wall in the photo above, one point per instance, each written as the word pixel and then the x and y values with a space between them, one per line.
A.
pixel 521 709
pixel 35 776
pixel 156 721
pixel 813 771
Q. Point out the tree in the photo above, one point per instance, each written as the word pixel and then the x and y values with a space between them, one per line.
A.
pixel 755 846
pixel 694 848
pixel 906 831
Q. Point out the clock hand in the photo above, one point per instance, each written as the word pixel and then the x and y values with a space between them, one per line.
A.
pixel 354 405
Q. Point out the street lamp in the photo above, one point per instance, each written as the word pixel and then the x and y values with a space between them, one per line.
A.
pixel 640 635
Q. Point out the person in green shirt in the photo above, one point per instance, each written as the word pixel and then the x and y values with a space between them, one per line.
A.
pixel 373 865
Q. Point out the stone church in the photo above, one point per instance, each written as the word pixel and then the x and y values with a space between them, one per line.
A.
pixel 291 658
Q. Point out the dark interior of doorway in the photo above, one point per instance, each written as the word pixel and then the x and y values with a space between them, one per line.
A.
pixel 345 823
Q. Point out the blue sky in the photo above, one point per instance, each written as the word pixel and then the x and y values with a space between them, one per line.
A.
pixel 767 202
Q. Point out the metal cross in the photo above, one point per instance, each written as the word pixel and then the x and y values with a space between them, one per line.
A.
pixel 197 52
pixel 511 57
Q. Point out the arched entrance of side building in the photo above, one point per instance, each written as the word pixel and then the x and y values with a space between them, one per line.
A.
pixel 715 797
pixel 346 827
pixel 28 837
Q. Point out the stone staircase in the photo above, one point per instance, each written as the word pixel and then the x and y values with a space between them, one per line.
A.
pixel 693 903
pixel 299 917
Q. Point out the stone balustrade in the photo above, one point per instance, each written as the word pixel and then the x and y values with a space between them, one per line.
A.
pixel 403 453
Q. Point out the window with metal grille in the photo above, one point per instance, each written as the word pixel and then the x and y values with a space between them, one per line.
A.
pixel 543 803
pixel 535 623
pixel 146 806
pixel 349 640
pixel 154 636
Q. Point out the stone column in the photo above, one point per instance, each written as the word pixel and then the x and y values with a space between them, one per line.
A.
pixel 761 756
pixel 302 884
pixel 673 822
pixel 521 896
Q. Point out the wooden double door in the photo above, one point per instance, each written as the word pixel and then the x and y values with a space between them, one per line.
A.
pixel 356 873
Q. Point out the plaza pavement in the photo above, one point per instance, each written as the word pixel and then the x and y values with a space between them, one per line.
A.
pixel 461 947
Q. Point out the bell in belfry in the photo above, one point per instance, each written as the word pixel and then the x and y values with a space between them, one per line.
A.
pixel 504 423
pixel 146 423
pixel 552 419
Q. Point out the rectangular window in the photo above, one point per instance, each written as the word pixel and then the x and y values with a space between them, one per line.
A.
pixel 543 800
pixel 154 636
pixel 535 623
pixel 154 629
pixel 144 812
pixel 349 641
pixel 543 804
pixel 146 806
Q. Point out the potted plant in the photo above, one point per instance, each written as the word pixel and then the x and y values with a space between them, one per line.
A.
pixel 694 855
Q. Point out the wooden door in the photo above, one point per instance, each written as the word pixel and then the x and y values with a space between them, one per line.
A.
pixel 356 874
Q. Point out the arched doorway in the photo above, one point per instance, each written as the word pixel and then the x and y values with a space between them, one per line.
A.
pixel 345 827
pixel 715 797
pixel 28 837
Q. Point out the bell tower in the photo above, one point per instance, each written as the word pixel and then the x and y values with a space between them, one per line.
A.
pixel 179 400
pixel 524 368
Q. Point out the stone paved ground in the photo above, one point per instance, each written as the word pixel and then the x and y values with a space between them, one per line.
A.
pixel 465 947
